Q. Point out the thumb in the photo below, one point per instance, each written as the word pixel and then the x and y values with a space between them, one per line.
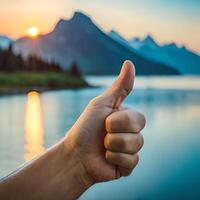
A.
pixel 120 89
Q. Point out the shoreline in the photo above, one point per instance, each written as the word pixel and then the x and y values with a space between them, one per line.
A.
pixel 23 82
pixel 41 90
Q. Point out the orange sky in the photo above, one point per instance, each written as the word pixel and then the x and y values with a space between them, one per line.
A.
pixel 129 17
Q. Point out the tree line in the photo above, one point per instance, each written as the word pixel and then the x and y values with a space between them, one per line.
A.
pixel 10 62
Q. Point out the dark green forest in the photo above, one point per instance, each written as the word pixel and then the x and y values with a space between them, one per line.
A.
pixel 19 75
pixel 10 62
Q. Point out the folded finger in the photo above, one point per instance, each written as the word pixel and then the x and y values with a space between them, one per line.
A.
pixel 124 142
pixel 123 160
pixel 127 120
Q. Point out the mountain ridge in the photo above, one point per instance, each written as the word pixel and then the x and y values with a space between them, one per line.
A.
pixel 178 57
pixel 80 40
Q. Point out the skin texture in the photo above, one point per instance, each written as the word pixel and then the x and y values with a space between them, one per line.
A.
pixel 102 145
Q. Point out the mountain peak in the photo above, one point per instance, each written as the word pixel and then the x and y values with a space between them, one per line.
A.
pixel 113 32
pixel 77 16
pixel 60 22
pixel 116 34
pixel 171 46
pixel 80 16
pixel 149 39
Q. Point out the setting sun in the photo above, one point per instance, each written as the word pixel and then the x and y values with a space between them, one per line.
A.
pixel 33 32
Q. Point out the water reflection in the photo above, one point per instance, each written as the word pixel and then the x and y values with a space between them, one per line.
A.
pixel 34 132
pixel 169 162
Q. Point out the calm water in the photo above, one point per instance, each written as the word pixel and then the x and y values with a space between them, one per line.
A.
pixel 169 167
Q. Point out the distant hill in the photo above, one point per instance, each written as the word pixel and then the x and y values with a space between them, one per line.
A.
pixel 182 59
pixel 4 42
pixel 80 40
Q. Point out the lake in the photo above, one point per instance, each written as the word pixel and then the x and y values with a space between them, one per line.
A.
pixel 169 166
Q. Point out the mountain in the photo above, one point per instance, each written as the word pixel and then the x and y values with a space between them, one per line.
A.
pixel 116 36
pixel 182 59
pixel 149 42
pixel 4 42
pixel 80 40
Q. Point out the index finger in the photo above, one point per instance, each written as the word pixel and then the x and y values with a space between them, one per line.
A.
pixel 126 121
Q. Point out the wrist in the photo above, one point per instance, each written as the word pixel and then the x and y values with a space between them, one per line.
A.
pixel 75 168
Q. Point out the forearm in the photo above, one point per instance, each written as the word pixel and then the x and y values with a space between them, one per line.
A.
pixel 57 174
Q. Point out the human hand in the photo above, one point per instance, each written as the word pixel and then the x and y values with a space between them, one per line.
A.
pixel 101 146
pixel 106 138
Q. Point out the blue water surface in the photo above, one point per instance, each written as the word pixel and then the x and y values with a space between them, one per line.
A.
pixel 169 166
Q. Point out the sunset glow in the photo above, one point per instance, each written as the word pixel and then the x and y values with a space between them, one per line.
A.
pixel 33 32
pixel 148 17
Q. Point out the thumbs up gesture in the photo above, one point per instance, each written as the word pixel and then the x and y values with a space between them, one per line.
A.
pixel 101 146
pixel 106 138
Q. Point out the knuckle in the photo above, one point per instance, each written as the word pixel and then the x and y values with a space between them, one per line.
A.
pixel 140 141
pixel 135 160
pixel 108 155
pixel 134 122
pixel 114 142
pixel 138 121
pixel 136 127
pixel 143 120
pixel 106 141
pixel 110 121
pixel 112 157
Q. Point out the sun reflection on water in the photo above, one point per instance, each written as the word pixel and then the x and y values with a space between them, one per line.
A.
pixel 34 132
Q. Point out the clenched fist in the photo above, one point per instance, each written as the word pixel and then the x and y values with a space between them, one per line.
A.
pixel 106 138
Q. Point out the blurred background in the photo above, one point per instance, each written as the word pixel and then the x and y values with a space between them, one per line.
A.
pixel 56 55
